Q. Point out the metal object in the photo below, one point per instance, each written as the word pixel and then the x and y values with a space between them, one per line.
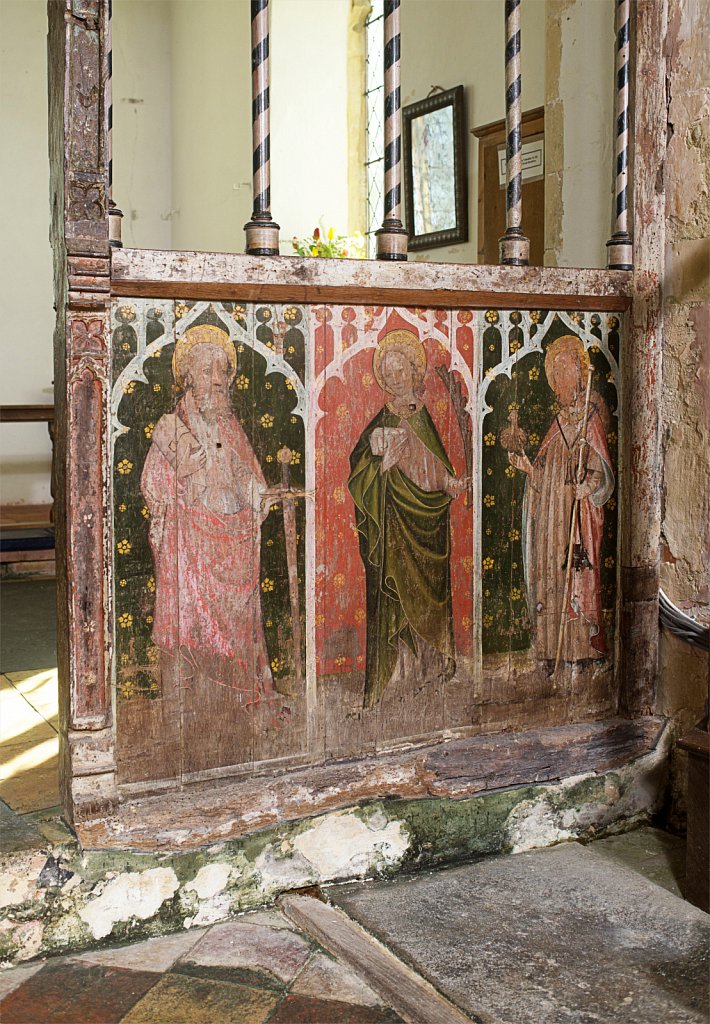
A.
pixel 261 231
pixel 620 253
pixel 514 247
pixel 392 236
pixel 671 617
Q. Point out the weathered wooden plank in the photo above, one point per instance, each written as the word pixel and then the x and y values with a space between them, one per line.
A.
pixel 142 272
pixel 641 367
pixel 413 998
pixel 78 65
pixel 203 814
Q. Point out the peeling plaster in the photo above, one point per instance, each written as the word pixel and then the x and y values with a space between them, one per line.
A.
pixel 129 895
pixel 343 846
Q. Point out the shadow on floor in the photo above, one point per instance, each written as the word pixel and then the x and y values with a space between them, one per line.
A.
pixel 28 625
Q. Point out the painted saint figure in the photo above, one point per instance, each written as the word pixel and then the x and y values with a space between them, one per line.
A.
pixel 205 491
pixel 551 487
pixel 402 483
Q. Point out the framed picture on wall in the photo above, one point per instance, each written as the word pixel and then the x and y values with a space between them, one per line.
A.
pixel 435 179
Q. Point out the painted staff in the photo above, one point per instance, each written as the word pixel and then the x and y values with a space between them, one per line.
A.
pixel 284 455
pixel 581 461
pixel 261 231
pixel 114 214
pixel 458 401
pixel 514 246
pixel 620 253
pixel 392 236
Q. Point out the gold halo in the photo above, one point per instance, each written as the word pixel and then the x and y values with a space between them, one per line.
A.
pixel 567 343
pixel 399 341
pixel 205 334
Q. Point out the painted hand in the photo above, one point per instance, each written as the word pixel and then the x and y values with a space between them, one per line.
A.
pixel 583 491
pixel 456 486
pixel 521 462
pixel 191 457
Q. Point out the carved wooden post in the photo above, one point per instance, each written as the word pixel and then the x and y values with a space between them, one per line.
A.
pixel 261 231
pixel 392 236
pixel 78 65
pixel 514 246
pixel 620 254
pixel 641 368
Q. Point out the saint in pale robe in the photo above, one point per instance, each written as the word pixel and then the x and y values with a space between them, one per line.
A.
pixel 549 502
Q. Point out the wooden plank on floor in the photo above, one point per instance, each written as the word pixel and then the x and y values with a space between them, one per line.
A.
pixel 409 995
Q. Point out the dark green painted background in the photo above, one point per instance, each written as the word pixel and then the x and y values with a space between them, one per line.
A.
pixel 269 424
pixel 505 619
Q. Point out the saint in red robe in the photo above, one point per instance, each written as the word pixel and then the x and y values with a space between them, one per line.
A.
pixel 205 534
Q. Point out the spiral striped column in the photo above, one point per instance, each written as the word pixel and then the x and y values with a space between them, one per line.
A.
pixel 620 253
pixel 114 214
pixel 392 236
pixel 514 246
pixel 261 231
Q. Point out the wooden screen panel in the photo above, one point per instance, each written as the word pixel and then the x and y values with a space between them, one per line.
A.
pixel 531 404
pixel 395 559
pixel 205 397
pixel 416 595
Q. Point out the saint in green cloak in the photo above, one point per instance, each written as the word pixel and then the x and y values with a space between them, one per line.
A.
pixel 403 483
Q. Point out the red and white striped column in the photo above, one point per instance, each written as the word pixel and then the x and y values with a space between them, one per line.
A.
pixel 620 252
pixel 261 231
pixel 392 236
pixel 514 247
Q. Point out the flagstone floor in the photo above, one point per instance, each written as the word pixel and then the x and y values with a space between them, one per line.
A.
pixel 253 969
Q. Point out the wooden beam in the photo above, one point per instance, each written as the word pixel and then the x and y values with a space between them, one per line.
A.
pixel 414 999
pixel 156 274
pixel 222 808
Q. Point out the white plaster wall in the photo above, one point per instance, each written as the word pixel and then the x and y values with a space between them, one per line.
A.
pixel 309 116
pixel 460 42
pixel 587 91
pixel 142 129
pixel 25 255
pixel 211 124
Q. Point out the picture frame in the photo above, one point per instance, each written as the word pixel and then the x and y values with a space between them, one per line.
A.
pixel 435 171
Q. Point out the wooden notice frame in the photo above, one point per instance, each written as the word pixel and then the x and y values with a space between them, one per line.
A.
pixel 490 138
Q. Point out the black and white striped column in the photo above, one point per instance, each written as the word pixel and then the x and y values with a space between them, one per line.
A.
pixel 620 255
pixel 261 231
pixel 514 247
pixel 392 236
pixel 114 214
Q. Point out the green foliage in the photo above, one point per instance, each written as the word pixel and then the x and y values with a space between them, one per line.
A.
pixel 333 246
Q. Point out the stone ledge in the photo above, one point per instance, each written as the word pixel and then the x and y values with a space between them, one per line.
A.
pixel 205 813
pixel 61 898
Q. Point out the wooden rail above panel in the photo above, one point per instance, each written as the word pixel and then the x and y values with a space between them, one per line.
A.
pixel 150 273
pixel 27 414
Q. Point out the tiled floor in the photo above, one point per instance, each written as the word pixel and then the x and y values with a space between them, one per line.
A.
pixel 28 695
pixel 254 969
pixel 28 740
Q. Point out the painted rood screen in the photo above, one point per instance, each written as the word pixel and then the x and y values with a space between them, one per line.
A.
pixel 339 529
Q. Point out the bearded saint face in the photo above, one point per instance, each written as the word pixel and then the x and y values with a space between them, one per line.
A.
pixel 207 378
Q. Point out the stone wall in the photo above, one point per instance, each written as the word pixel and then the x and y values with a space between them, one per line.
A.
pixel 685 571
